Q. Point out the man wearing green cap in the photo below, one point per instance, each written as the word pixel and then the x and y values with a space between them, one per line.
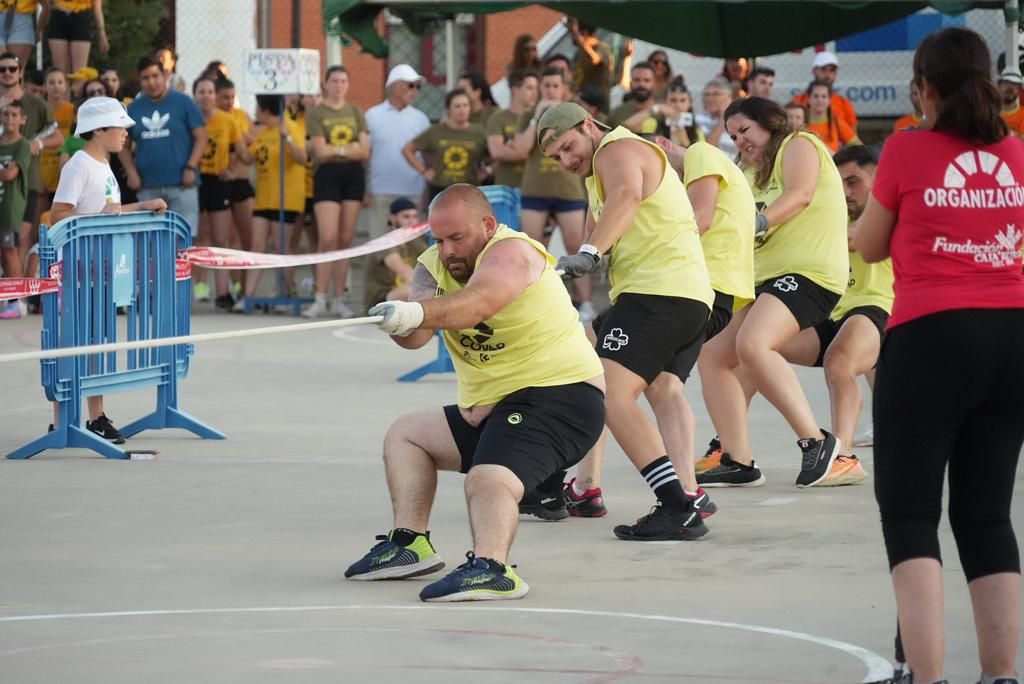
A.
pixel 649 339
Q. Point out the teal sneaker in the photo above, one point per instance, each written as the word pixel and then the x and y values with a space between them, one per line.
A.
pixel 388 560
pixel 478 579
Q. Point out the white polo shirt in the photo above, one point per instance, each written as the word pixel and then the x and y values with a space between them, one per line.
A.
pixel 390 130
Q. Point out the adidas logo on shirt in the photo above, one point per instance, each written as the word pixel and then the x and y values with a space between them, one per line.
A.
pixel 155 126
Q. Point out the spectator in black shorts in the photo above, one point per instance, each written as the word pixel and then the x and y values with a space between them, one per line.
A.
pixel 266 149
pixel 340 143
pixel 240 190
pixel 71 33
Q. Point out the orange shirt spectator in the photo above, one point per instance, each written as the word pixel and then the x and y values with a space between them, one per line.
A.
pixel 908 121
pixel 826 68
pixel 1009 93
pixel 835 133
pixel 823 122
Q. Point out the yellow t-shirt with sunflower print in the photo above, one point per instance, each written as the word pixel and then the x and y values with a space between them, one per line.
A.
pixel 265 150
pixel 336 126
pixel 222 135
pixel 457 153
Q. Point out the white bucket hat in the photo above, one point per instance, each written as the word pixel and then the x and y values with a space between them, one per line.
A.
pixel 402 72
pixel 102 112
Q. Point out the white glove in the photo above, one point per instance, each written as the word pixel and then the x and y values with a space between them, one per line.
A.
pixel 400 318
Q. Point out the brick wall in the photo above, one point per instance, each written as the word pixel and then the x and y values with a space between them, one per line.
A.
pixel 502 29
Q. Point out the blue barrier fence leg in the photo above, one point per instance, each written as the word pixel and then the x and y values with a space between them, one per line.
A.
pixel 442 363
pixel 72 436
pixel 168 415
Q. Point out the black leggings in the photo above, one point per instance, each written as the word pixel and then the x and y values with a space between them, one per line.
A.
pixel 950 389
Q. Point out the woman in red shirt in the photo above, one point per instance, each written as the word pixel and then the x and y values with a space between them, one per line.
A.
pixel 948 206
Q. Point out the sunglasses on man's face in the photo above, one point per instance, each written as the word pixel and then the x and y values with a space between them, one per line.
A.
pixel 416 85
pixel 9 69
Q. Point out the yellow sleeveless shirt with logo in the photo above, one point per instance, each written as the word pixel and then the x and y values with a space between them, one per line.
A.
pixel 869 285
pixel 535 341
pixel 660 254
pixel 813 243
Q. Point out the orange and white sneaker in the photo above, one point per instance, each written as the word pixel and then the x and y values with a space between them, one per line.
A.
pixel 845 470
pixel 712 457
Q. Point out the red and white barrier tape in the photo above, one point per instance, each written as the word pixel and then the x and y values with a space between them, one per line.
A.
pixel 222 258
pixel 16 288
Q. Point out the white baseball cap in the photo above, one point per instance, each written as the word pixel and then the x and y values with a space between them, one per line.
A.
pixel 1011 75
pixel 824 59
pixel 102 112
pixel 402 72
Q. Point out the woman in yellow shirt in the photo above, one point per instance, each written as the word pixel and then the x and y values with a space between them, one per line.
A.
pixel 71 33
pixel 801 266
pixel 61 111
pixel 223 144
pixel 266 150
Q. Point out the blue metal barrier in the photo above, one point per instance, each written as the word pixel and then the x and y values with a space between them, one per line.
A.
pixel 506 202
pixel 105 262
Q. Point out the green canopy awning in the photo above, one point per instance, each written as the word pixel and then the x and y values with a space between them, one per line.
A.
pixel 715 29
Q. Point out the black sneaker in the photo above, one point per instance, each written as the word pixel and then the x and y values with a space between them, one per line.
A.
pixel 731 474
pixel 664 525
pixel 105 429
pixel 818 455
pixel 703 503
pixel 544 506
pixel 225 302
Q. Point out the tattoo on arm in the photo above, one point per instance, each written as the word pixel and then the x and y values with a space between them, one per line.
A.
pixel 424 286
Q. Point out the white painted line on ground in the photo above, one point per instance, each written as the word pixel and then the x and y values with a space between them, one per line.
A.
pixel 777 501
pixel 877 666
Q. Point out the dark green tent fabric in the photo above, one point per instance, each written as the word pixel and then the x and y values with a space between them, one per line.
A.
pixel 715 29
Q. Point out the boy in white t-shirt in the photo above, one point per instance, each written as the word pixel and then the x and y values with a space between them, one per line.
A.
pixel 88 186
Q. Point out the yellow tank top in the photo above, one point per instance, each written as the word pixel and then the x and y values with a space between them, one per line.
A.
pixel 222 134
pixel 660 254
pixel 869 285
pixel 729 242
pixel 536 341
pixel 812 243
pixel 299 119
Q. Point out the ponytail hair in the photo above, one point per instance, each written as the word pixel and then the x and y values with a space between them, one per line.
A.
pixel 770 116
pixel 956 62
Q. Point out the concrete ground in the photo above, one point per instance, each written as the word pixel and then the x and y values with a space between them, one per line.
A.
pixel 222 561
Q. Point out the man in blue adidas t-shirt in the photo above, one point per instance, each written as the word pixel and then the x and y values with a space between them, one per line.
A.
pixel 168 144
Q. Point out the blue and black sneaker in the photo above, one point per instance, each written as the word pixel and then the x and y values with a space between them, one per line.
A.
pixel 388 560
pixel 478 579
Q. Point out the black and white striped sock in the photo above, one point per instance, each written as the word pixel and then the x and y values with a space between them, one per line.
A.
pixel 662 479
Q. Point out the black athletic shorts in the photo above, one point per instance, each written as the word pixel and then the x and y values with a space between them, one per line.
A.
pixel 809 302
pixel 533 432
pixel 828 329
pixel 339 182
pixel 274 215
pixel 214 194
pixel 71 26
pixel 648 334
pixel 721 315
pixel 31 201
pixel 240 190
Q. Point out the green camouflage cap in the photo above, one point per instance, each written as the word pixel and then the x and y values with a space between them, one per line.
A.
pixel 559 119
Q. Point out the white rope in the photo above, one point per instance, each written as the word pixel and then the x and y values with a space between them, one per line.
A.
pixel 183 339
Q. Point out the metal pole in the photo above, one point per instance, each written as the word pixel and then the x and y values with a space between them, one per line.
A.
pixel 296 23
pixel 264 23
pixel 1011 11
pixel 451 78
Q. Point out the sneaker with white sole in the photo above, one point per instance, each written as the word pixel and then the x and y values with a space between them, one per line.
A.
pixel 865 438
pixel 478 579
pixel 15 308
pixel 340 309
pixel 315 310
pixel 817 459
pixel 388 560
